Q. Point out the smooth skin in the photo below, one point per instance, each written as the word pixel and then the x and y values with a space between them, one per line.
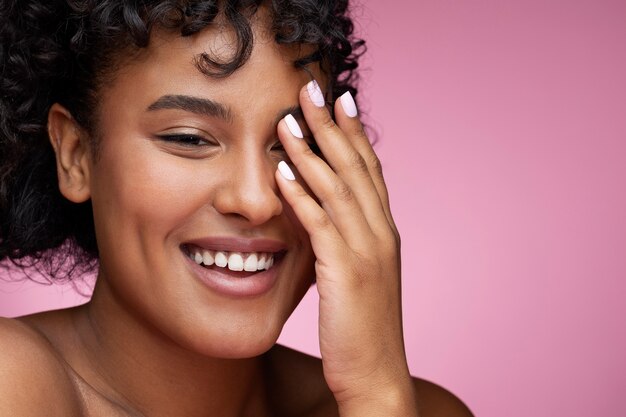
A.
pixel 154 341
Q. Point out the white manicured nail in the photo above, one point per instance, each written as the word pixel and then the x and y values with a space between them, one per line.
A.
pixel 316 94
pixel 293 126
pixel 348 104
pixel 285 171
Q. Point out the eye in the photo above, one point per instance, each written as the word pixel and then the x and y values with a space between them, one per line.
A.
pixel 278 147
pixel 186 139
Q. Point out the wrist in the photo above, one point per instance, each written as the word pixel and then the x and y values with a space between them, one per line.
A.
pixel 390 400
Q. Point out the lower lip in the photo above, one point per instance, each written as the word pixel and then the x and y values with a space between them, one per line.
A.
pixel 231 283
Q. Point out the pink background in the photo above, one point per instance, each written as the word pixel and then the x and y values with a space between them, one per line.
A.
pixel 503 136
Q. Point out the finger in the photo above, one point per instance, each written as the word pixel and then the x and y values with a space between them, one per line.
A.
pixel 334 195
pixel 341 155
pixel 315 220
pixel 346 114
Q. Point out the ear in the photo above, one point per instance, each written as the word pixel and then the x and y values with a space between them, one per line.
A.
pixel 72 154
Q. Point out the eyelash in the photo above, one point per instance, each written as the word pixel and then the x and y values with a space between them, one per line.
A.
pixel 191 140
pixel 185 140
pixel 278 147
pixel 313 145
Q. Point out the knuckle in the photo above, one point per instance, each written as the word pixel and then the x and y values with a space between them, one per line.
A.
pixel 397 238
pixel 361 134
pixel 322 221
pixel 343 191
pixel 357 162
pixel 389 241
pixel 328 123
pixel 394 245
pixel 394 236
pixel 375 165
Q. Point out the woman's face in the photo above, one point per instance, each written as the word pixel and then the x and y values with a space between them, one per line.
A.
pixel 186 166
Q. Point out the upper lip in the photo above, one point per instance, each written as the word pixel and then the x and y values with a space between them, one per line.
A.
pixel 237 244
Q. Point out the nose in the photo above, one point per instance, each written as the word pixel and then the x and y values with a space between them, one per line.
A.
pixel 248 189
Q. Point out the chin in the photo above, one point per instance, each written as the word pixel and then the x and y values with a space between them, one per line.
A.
pixel 246 351
pixel 243 347
pixel 234 340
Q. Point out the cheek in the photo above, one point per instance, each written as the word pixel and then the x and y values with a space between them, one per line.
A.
pixel 145 185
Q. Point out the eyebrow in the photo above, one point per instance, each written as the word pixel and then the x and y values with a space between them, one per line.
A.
pixel 207 107
pixel 197 105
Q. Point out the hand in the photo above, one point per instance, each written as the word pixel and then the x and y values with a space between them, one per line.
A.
pixel 357 247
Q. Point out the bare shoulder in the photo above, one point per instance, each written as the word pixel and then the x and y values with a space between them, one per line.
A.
pixel 436 401
pixel 299 378
pixel 33 380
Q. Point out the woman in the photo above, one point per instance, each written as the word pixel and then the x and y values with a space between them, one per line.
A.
pixel 210 158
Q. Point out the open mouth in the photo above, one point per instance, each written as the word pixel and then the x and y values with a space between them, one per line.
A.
pixel 232 261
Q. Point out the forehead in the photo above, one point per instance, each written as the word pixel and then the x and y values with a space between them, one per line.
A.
pixel 169 65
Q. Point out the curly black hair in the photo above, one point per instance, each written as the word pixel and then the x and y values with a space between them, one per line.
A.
pixel 62 51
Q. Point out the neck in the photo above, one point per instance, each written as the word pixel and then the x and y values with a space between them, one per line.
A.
pixel 139 367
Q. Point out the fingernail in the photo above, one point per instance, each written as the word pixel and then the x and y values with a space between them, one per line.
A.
pixel 315 93
pixel 285 171
pixel 348 104
pixel 293 126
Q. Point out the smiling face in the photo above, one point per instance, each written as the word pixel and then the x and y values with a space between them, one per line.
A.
pixel 186 168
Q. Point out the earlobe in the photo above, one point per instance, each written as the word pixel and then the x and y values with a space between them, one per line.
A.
pixel 72 154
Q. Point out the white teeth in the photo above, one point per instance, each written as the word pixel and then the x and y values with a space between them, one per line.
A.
pixel 220 259
pixel 261 262
pixel 198 258
pixel 207 258
pixel 235 262
pixel 251 263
